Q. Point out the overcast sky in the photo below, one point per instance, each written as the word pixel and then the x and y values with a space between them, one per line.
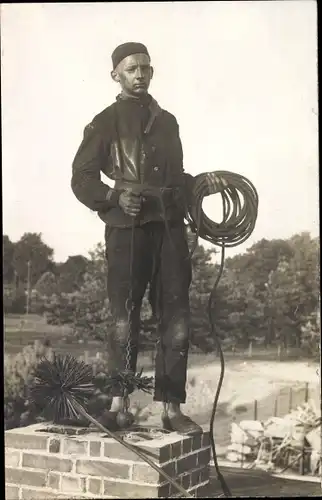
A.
pixel 241 78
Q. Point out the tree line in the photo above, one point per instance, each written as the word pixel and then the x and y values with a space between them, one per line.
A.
pixel 268 295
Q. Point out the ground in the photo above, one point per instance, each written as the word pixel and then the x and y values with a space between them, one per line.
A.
pixel 251 484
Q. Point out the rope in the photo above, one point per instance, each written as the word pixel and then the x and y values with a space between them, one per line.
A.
pixel 240 206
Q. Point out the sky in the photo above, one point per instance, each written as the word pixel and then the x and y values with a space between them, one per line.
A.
pixel 240 77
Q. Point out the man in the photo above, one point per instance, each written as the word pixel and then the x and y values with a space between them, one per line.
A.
pixel 137 144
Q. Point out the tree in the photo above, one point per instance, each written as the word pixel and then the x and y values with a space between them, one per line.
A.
pixel 31 248
pixel 238 310
pixel 204 274
pixel 47 284
pixel 71 273
pixel 260 259
pixel 8 250
pixel 292 291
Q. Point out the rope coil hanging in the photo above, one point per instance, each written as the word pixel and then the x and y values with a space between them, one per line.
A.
pixel 240 209
pixel 240 206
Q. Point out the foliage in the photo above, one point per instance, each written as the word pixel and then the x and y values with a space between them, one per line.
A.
pixel 204 274
pixel 71 273
pixel 46 285
pixel 7 252
pixel 31 248
pixel 18 378
pixel 267 295
pixel 14 300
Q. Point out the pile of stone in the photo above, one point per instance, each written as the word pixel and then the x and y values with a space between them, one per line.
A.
pixel 292 442
pixel 245 438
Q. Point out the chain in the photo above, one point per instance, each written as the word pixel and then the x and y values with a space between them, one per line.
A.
pixel 129 306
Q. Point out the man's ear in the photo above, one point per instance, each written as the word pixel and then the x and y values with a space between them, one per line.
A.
pixel 152 72
pixel 115 76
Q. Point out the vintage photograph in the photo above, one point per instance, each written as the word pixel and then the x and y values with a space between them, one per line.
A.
pixel 161 271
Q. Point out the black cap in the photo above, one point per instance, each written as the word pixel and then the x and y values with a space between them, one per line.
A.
pixel 127 49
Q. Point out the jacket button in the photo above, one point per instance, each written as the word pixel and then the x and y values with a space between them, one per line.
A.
pixel 153 148
pixel 155 169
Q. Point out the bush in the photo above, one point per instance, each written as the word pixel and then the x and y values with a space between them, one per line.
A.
pixel 18 378
pixel 14 301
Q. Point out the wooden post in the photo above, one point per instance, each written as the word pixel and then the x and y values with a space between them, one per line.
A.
pixel 86 357
pixel 255 409
pixel 290 400
pixel 306 392
pixel 275 407
pixel 28 287
pixel 279 352
pixel 250 350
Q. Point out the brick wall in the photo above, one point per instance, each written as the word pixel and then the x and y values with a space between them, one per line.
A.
pixel 41 464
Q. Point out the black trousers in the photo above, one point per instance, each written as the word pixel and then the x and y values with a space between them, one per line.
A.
pixel 161 258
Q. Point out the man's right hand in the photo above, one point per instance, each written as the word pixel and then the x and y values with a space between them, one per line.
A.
pixel 130 202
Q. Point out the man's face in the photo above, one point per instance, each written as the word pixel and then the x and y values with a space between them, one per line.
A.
pixel 134 74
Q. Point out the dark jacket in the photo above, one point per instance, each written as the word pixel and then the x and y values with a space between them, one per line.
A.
pixel 137 143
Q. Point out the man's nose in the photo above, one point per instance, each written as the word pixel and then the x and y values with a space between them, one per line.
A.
pixel 139 72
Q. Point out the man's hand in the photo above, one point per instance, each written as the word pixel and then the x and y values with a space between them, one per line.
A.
pixel 130 202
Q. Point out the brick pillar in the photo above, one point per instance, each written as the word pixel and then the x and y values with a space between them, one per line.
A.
pixel 41 464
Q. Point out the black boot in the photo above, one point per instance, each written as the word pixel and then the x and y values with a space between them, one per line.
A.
pixel 181 423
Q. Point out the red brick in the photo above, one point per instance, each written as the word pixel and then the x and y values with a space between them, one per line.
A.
pixel 73 447
pixel 54 446
pixel 71 484
pixel 146 474
pixel 95 448
pixel 174 492
pixel 12 492
pixel 204 457
pixel 195 477
pixel 12 458
pixel 26 441
pixel 46 462
pixel 112 449
pixel 186 464
pixel 202 491
pixel 185 481
pixel 196 442
pixel 116 450
pixel 83 484
pixel 176 450
pixel 94 486
pixel 204 474
pixel 164 490
pixel 159 454
pixel 186 445
pixel 31 494
pixel 53 480
pixel 205 441
pixel 104 469
pixel 130 490
pixel 28 477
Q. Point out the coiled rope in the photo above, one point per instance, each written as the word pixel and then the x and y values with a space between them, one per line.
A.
pixel 240 209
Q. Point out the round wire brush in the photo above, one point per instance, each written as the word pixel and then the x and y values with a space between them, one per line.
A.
pixel 58 384
pixel 63 387
pixel 128 381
